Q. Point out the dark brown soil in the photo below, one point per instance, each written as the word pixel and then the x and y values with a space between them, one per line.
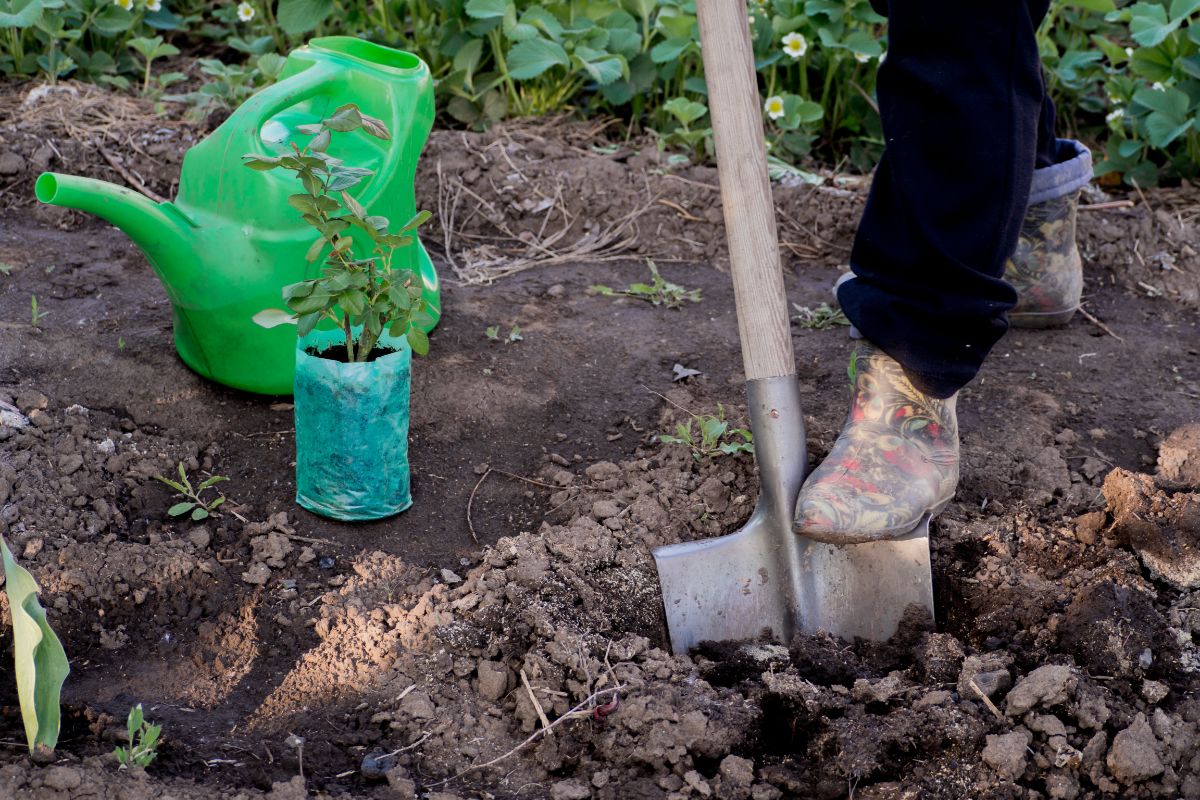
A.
pixel 1064 572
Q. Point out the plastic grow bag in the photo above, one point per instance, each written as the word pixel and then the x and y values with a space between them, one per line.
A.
pixel 352 430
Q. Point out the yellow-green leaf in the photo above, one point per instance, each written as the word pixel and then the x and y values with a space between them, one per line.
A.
pixel 40 661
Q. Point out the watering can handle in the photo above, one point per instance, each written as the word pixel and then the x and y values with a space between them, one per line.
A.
pixel 745 190
pixel 320 78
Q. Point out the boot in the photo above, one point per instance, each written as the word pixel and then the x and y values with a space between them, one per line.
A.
pixel 1046 269
pixel 895 461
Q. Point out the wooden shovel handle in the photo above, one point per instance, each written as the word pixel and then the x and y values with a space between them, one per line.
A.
pixel 745 189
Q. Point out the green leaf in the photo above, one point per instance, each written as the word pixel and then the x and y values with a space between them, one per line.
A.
pixel 604 68
pixel 199 514
pixel 20 13
pixel 211 481
pixel 418 340
pixel 314 250
pixel 180 508
pixel 306 323
pixel 486 9
pixel 1149 24
pixel 685 110
pixel 345 118
pixel 39 659
pixel 531 58
pixel 1097 6
pixel 669 49
pixel 1171 102
pixel 261 163
pixel 353 206
pixel 301 16
pixel 1182 9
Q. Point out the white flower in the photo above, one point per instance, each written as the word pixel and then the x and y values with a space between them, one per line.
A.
pixel 862 58
pixel 1129 52
pixel 1157 86
pixel 153 5
pixel 245 12
pixel 774 106
pixel 1115 115
pixel 752 20
pixel 795 45
pixel 125 4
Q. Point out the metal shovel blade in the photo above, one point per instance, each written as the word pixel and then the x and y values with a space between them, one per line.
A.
pixel 766 580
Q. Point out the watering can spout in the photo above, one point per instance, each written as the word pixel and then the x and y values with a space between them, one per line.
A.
pixel 161 230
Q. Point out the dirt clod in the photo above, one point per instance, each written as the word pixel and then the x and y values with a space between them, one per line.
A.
pixel 1134 755
pixel 1046 686
pixel 1179 456
pixel 1164 529
pixel 1005 753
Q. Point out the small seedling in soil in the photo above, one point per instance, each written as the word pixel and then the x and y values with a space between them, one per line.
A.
pixel 493 334
pixel 659 292
pixel 5 269
pixel 120 342
pixel 37 315
pixel 193 504
pixel 819 318
pixel 709 436
pixel 143 741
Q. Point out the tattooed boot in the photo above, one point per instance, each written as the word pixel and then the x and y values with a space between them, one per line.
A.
pixel 1046 269
pixel 895 461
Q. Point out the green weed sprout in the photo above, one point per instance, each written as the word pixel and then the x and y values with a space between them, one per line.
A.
pixel 39 661
pixel 658 292
pixel 193 502
pixel 143 741
pixel 709 436
pixel 37 315
pixel 820 318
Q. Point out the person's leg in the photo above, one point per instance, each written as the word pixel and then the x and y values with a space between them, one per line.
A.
pixel 961 97
pixel 1046 269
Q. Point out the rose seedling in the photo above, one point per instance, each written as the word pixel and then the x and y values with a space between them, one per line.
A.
pixel 362 294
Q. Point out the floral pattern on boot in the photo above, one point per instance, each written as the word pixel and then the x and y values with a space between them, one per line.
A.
pixel 1046 269
pixel 895 461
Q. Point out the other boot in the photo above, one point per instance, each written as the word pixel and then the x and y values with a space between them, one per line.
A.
pixel 895 461
pixel 1046 269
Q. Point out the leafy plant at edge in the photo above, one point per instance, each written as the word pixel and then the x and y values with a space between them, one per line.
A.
pixel 40 663
pixel 362 294
pixel 711 437
pixel 658 292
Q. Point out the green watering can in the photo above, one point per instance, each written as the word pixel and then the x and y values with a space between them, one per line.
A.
pixel 230 242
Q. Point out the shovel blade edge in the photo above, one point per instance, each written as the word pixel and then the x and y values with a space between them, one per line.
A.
pixel 863 590
pixel 726 588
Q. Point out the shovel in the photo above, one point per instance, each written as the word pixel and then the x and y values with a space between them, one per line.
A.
pixel 764 580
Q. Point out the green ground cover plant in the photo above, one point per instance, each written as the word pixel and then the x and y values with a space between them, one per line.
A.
pixel 1125 75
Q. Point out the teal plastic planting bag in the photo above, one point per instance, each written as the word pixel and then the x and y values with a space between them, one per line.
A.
pixel 352 431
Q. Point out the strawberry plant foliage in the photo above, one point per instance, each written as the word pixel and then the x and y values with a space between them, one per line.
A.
pixel 360 293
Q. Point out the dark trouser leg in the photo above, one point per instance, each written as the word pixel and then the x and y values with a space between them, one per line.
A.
pixel 961 97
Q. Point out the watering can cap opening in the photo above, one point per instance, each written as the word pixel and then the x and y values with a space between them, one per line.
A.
pixel 368 52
